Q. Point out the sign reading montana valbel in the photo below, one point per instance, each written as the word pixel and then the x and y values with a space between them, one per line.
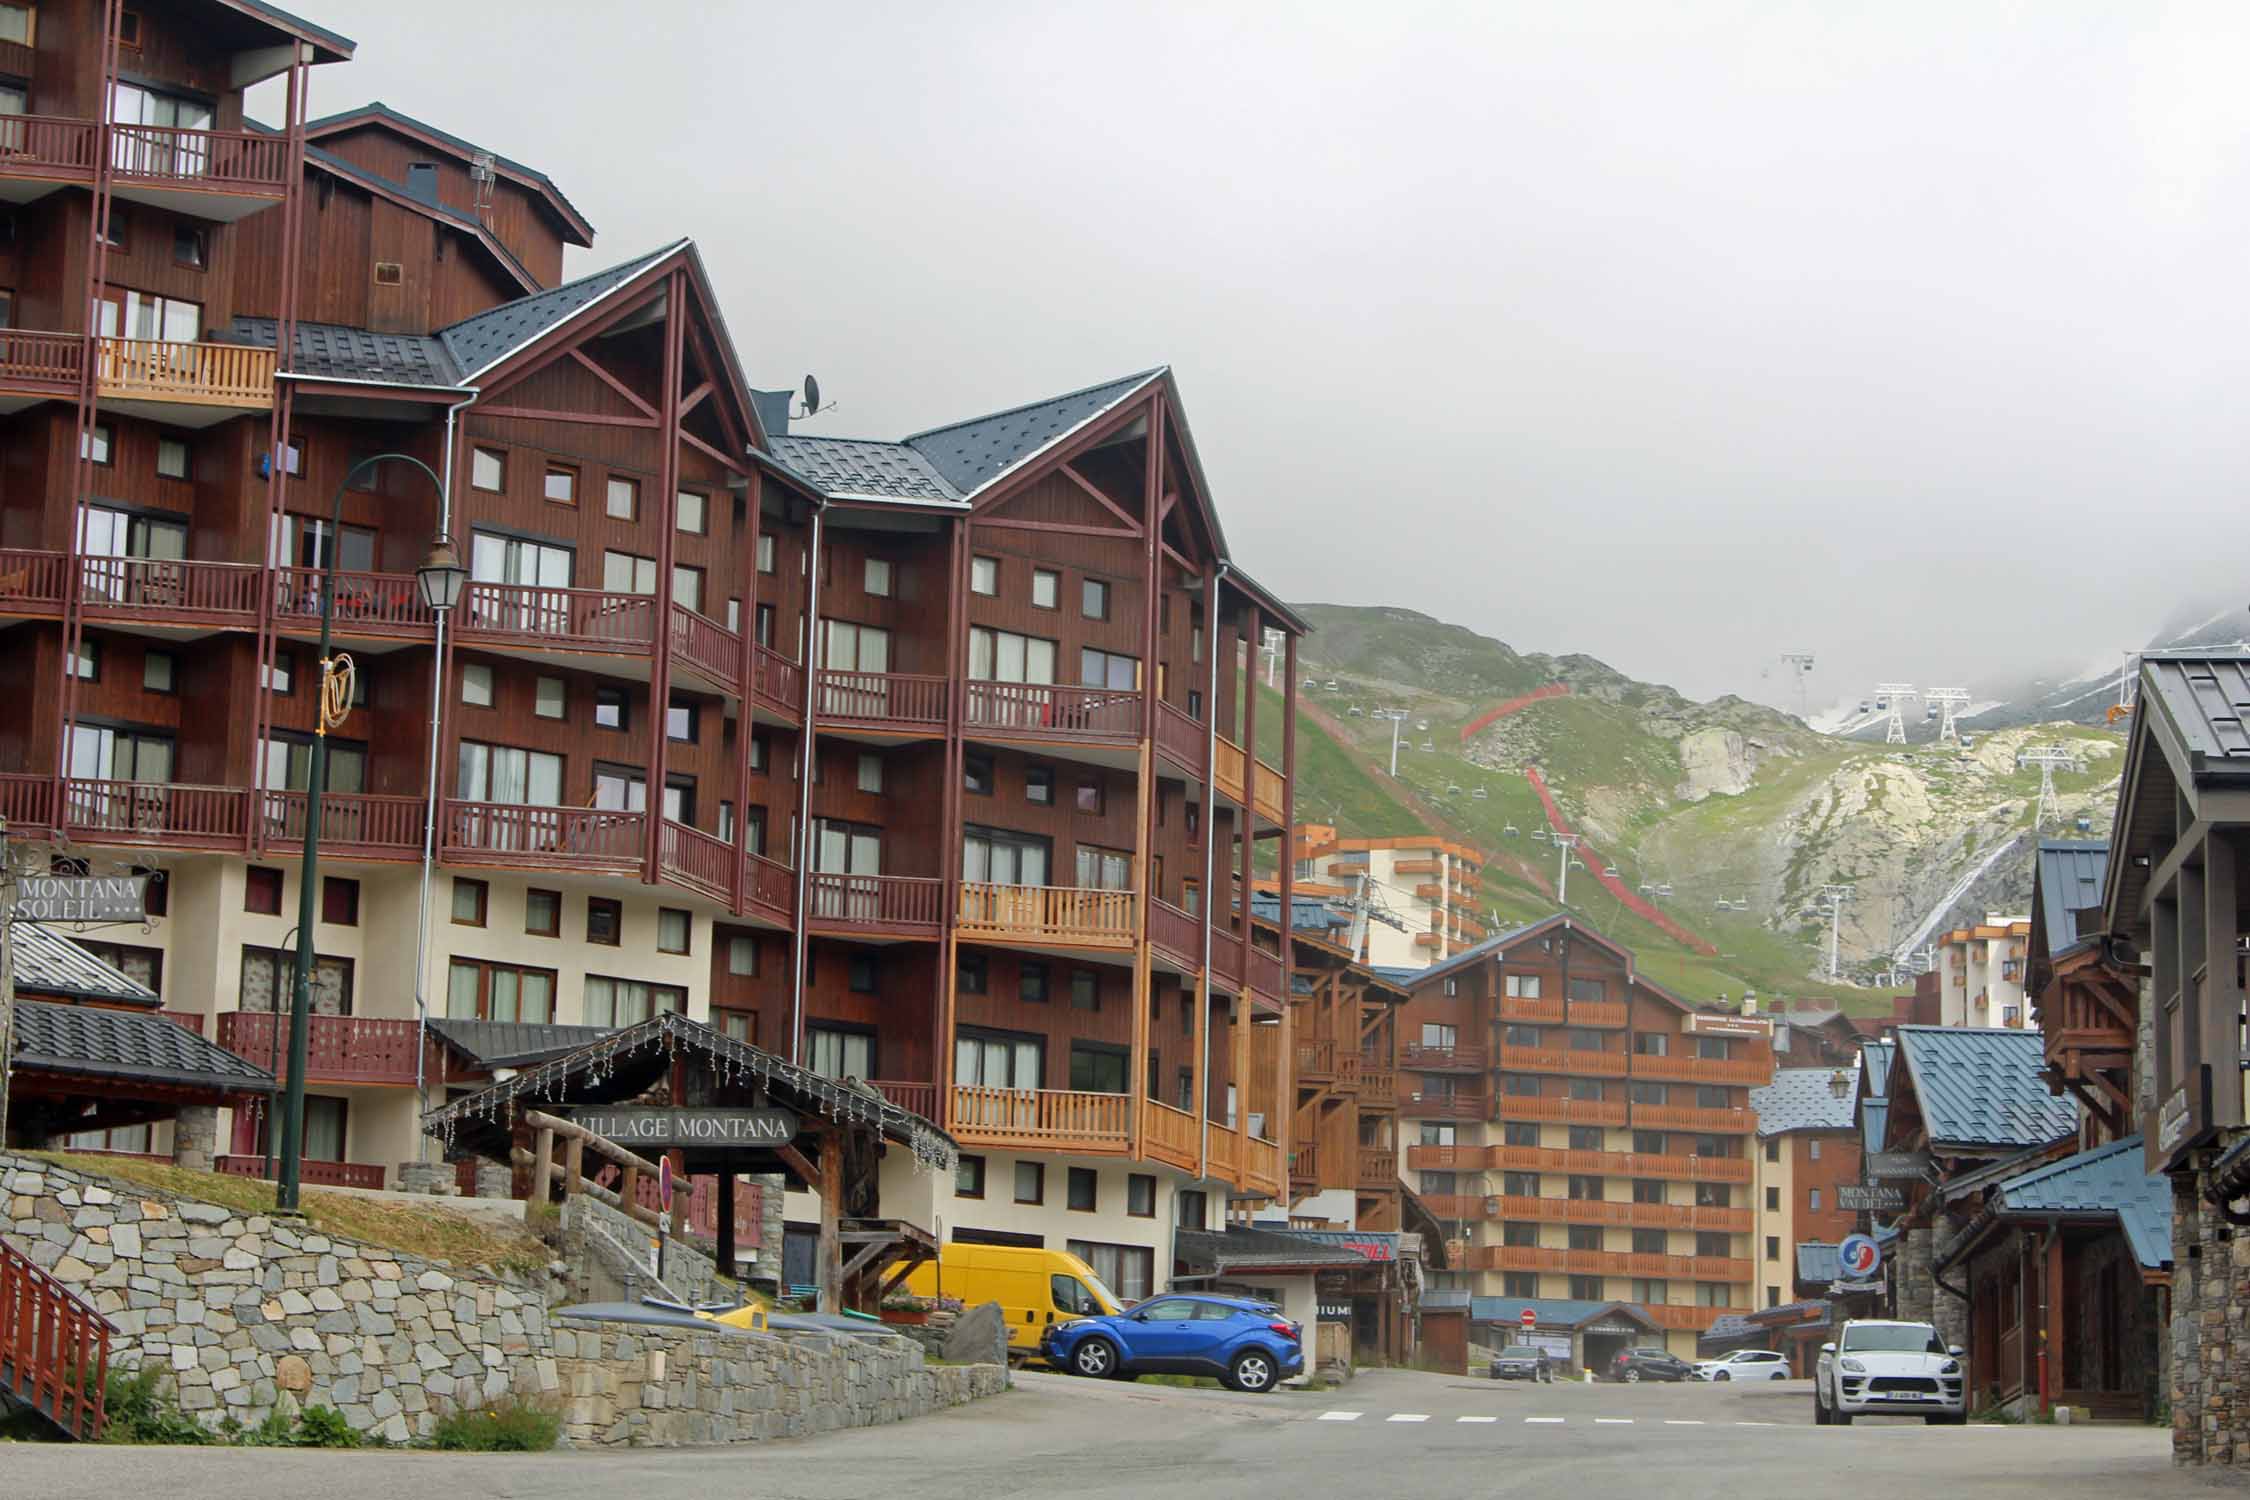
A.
pixel 665 1129
pixel 82 898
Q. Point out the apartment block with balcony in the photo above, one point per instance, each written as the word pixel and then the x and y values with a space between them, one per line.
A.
pixel 928 762
pixel 1584 1134
pixel 1980 973
pixel 1429 887
pixel 1808 1150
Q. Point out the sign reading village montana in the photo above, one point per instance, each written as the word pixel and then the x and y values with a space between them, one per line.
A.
pixel 665 1129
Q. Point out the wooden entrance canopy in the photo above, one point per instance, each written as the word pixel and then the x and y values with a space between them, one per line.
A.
pixel 671 1062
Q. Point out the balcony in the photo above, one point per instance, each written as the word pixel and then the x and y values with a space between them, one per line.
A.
pixel 1304 1163
pixel 1690 1318
pixel 1703 1121
pixel 172 591
pixel 1536 1010
pixel 1417 866
pixel 152 812
pixel 1626 1214
pixel 1378 1088
pixel 877 905
pixel 1181 739
pixel 36 150
pixel 1418 1104
pixel 192 385
pixel 387 605
pixel 1316 1061
pixel 1261 1167
pixel 778 684
pixel 1429 940
pixel 1041 1119
pixel 921 1098
pixel 1417 1057
pixel 1458 1205
pixel 1445 1158
pixel 1178 933
pixel 353 825
pixel 215 174
pixel 1052 711
pixel 338 1049
pixel 520 614
pixel 313 1174
pixel 1070 916
pixel 37 366
pixel 1378 1167
pixel 1555 1108
pixel 1608 1263
pixel 1433 894
pixel 707 648
pixel 1747 1072
pixel 1171 1136
pixel 1563 1060
pixel 1227 775
pixel 1610 1014
pixel 27 803
pixel 695 861
pixel 890 702
pixel 586 839
pixel 1727 1169
pixel 769 890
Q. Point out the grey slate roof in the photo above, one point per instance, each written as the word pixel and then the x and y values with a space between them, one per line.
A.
pixel 1805 1099
pixel 972 454
pixel 1501 940
pixel 379 110
pixel 127 1045
pixel 478 342
pixel 1725 1327
pixel 274 13
pixel 1980 1087
pixel 1875 1058
pixel 509 1044
pixel 48 963
pixel 2112 1179
pixel 1817 1263
pixel 1559 1312
pixel 336 351
pixel 1305 913
pixel 2069 876
pixel 1248 1248
pixel 466 223
pixel 862 468
pixel 2203 698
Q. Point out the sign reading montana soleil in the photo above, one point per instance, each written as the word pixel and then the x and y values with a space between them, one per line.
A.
pixel 667 1129
pixel 82 898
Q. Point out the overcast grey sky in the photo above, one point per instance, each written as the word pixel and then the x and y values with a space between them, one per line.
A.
pixel 1677 333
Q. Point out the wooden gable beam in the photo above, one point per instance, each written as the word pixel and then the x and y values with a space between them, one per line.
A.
pixel 700 446
pixel 1066 528
pixel 566 338
pixel 1132 527
pixel 619 386
pixel 584 418
pixel 695 398
pixel 1005 489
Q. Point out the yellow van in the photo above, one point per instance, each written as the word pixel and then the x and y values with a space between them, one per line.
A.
pixel 1035 1288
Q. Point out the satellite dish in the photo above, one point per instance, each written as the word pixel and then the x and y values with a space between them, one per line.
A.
pixel 812 395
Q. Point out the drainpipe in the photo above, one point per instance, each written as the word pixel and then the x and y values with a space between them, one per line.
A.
pixel 1210 842
pixel 430 796
pixel 2048 1292
pixel 813 563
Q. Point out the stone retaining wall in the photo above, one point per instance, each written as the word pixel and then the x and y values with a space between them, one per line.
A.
pixel 249 1313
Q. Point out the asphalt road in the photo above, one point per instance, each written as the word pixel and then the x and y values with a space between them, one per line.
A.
pixel 1386 1433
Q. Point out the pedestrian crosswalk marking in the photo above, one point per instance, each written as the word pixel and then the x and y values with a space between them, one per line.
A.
pixel 1341 1416
pixel 1476 1419
pixel 1556 1421
pixel 1408 1416
pixel 1613 1421
pixel 1677 1422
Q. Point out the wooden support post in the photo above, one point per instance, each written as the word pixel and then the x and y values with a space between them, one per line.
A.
pixel 829 1266
pixel 629 1189
pixel 542 1164
pixel 724 1198
pixel 574 1165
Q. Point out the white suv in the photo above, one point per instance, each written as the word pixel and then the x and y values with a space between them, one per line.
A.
pixel 1877 1367
pixel 1745 1364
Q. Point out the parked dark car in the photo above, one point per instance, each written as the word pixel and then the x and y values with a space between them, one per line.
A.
pixel 1634 1365
pixel 1520 1363
pixel 1247 1345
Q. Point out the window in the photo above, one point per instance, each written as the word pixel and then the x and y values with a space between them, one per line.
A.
pixel 871 772
pixel 488 469
pixel 1031 1182
pixel 1585 1088
pixel 504 774
pixel 1523 1085
pixel 976 775
pixel 674 928
pixel 1039 786
pixel 1084 1189
pixel 1812 1148
pixel 1812 1199
pixel 1647 1191
pixel 609 708
pixel 1517 1133
pixel 469 898
pixel 765 554
pixel 1097 1070
pixel 839 1053
pixel 1586 989
pixel 542 912
pixel 1108 669
pixel 1644 1092
pixel 1104 869
pixel 1004 656
pixel 1711 1096
pixel 1085 990
pixel 742 956
pixel 764 624
pixel 547 699
pixel 984 575
pixel 620 788
pixel 741 1025
pixel 390 273
pixel 687 586
pixel 476 684
pixel 1090 798
pixel 628 1002
pixel 850 647
pixel 1773 1148
pixel 1589 1236
pixel 269 976
pixel 1773 1296
pixel 628 573
pixel 1031 983
pixel 280 675
pixel 1093 599
pixel 694 512
pixel 95 446
pixel 171 458
pixel 1713 1294
pixel 968 1177
pixel 605 921
pixel 1140 1196
pixel 1773 1247
pixel 621 499
pixel 1713 1195
pixel 1520 1184
pixel 16 24
pixel 1649 1142
pixel 1521 986
pixel 1645 1242
pixel 476 990
pixel 1713 1244
pixel 999 1059
pixel 1650 1292
pixel 1520 1284
pixel 1649 1043
pixel 1586 1189
pixel 339 901
pixel 1195 642
pixel 191 247
pixel 1585 1138
pixel 1519 1234
pixel 969 971
pixel 1586 1288
pixel 1773 1200
pixel 878 577
pixel 159 671
pixel 1046 588
pixel 1128 1270
pixel 86 662
pixel 261 891
pixel 680 722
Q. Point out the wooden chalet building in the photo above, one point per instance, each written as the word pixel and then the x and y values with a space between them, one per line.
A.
pixel 1584 1133
pixel 932 761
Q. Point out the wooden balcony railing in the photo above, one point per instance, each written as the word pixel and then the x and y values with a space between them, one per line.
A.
pixel 881 698
pixel 338 1049
pixel 694 860
pixel 1605 1013
pixel 1727 1169
pixel 46 146
pixel 1170 1135
pixel 346 1174
pixel 1265 972
pixel 1539 1010
pixel 378 603
pixel 1556 1108
pixel 769 887
pixel 50 363
pixel 1316 1060
pixel 707 646
pixel 1749 1072
pixel 1053 710
pixel 1421 1104
pixel 1221 1158
pixel 1226 767
pixel 587 619
pixel 1419 1057
pixel 1563 1060
pixel 135 587
pixel 1177 932
pixel 154 812
pixel 1304 1162
pixel 1272 793
pixel 1445 1158
pixel 54 1346
pixel 780 683
pixel 1261 1166
pixel 33 582
pixel 508 833
pixel 1687 1117
pixel 922 1098
pixel 351 823
pixel 1378 1166
pixel 1054 1119
pixel 1073 915
pixel 27 802
pixel 234 375
pixel 1673 1315
pixel 1378 1088
pixel 227 161
pixel 907 904
pixel 1458 1205
pixel 1626 1213
pixel 1181 738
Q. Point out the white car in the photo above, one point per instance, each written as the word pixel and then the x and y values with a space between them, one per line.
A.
pixel 1878 1367
pixel 1745 1364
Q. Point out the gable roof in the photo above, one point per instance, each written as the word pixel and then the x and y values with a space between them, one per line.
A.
pixel 511 1044
pixel 1805 1099
pixel 335 44
pixel 338 351
pixel 377 112
pixel 2110 1180
pixel 973 453
pixel 1500 942
pixel 474 228
pixel 865 469
pixel 127 1045
pixel 1557 1312
pixel 48 963
pixel 480 341
pixel 2066 880
pixel 1254 1247
pixel 1980 1088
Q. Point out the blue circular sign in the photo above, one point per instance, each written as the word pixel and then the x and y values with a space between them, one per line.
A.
pixel 1859 1257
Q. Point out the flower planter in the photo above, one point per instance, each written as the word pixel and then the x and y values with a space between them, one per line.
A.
pixel 914 1316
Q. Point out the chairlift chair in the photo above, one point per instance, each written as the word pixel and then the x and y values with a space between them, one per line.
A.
pixel 1883 705
pixel 1865 707
pixel 1511 831
pixel 1429 745
pixel 2085 824
pixel 1930 713
pixel 1311 683
pixel 1453 789
pixel 1539 835
pixel 1722 904
pixel 1741 905
pixel 1578 864
pixel 1332 684
pixel 1422 725
pixel 1664 889
pixel 1609 872
pixel 1647 889
pixel 1478 795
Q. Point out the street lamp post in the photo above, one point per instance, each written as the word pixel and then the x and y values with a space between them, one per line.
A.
pixel 308 878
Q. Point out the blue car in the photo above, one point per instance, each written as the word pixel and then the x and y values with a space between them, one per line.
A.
pixel 1248 1345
